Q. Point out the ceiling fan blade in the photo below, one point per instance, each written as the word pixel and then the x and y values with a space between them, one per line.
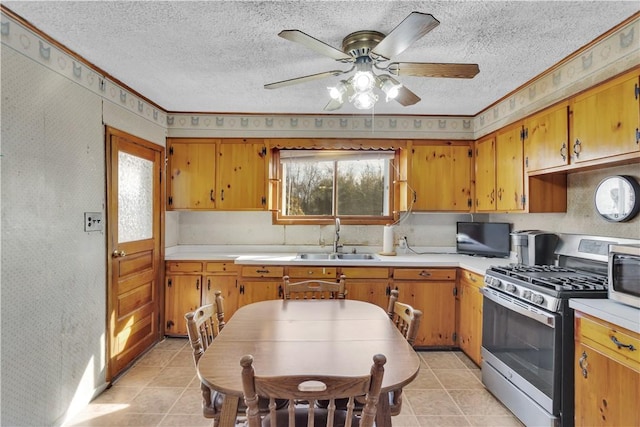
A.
pixel 413 27
pixel 424 69
pixel 314 44
pixel 303 79
pixel 406 97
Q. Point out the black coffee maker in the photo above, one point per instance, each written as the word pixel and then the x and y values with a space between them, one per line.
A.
pixel 534 247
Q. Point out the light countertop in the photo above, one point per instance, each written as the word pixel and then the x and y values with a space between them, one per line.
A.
pixel 265 255
pixel 614 312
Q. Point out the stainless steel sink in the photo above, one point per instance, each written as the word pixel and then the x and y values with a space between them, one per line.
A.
pixel 357 256
pixel 338 256
pixel 313 256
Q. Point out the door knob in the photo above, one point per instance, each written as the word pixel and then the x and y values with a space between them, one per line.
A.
pixel 117 254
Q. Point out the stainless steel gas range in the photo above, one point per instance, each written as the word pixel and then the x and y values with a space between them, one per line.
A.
pixel 527 331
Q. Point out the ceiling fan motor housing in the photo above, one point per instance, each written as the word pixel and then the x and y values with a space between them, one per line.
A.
pixel 360 43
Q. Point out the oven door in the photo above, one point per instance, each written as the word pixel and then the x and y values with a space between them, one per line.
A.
pixel 523 343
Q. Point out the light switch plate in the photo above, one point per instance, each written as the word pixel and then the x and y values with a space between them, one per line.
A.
pixel 93 221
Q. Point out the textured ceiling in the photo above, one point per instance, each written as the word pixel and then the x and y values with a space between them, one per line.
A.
pixel 215 56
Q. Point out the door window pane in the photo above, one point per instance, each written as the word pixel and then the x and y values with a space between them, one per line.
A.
pixel 135 198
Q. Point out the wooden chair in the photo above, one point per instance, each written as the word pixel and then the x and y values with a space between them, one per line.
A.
pixel 203 325
pixel 314 289
pixel 309 389
pixel 407 320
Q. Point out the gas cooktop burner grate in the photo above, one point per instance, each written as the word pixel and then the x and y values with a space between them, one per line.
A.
pixel 554 277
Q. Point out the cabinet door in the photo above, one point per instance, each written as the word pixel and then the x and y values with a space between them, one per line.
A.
pixel 228 286
pixel 509 169
pixel 251 291
pixel 441 177
pixel 486 174
pixel 606 392
pixel 470 318
pixel 374 291
pixel 182 296
pixel 437 303
pixel 242 175
pixel 546 139
pixel 193 172
pixel 605 120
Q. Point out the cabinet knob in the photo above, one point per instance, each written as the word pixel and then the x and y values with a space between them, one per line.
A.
pixel 118 254
pixel 577 148
pixel 583 364
pixel 563 151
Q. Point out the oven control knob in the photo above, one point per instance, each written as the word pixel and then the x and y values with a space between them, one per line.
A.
pixel 511 287
pixel 537 299
pixel 494 282
pixel 526 295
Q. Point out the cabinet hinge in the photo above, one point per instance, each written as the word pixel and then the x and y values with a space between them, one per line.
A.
pixel 455 292
pixel 169 283
pixel 524 134
pixel 470 153
pixel 523 200
pixel 171 151
pixel 636 90
pixel 454 337
pixel 526 162
pixel 263 152
pixel 170 200
pixel 263 200
pixel 637 135
pixel 469 202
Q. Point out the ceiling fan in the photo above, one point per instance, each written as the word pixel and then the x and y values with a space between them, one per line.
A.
pixel 368 50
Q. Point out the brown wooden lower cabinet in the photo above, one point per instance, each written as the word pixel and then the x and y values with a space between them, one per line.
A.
pixel 190 284
pixel 430 290
pixel 367 284
pixel 607 376
pixel 469 314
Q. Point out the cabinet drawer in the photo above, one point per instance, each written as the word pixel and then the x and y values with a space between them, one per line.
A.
pixel 471 279
pixel 365 273
pixel 310 272
pixel 603 337
pixel 221 267
pixel 263 271
pixel 424 273
pixel 184 267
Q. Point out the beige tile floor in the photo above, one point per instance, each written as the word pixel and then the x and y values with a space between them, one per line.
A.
pixel 162 389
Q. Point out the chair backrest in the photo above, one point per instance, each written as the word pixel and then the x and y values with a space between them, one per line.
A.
pixel 204 324
pixel 311 389
pixel 405 317
pixel 318 289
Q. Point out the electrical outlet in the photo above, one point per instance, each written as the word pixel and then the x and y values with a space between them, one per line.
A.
pixel 402 243
pixel 93 221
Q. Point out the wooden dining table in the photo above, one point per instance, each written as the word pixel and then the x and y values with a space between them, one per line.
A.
pixel 315 336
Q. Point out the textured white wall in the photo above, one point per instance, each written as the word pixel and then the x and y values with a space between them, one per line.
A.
pixel 53 273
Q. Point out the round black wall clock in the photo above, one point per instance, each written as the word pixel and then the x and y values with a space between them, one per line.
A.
pixel 617 198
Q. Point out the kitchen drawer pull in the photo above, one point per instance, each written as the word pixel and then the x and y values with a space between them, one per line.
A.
pixel 262 271
pixel 425 273
pixel 213 199
pixel 620 345
pixel 583 364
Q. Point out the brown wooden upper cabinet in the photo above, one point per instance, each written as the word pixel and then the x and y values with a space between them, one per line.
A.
pixel 486 174
pixel 217 174
pixel 441 176
pixel 546 138
pixel 605 120
pixel 192 173
pixel 509 169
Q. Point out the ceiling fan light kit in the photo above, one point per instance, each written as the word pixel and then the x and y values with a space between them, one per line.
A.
pixel 367 50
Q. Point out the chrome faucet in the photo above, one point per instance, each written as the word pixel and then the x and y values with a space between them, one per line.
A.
pixel 336 237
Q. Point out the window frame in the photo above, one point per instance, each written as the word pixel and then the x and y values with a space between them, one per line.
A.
pixel 277 182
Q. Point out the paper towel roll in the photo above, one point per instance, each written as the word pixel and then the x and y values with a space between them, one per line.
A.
pixel 387 239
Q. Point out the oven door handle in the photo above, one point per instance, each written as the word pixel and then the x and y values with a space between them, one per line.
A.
pixel 544 318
